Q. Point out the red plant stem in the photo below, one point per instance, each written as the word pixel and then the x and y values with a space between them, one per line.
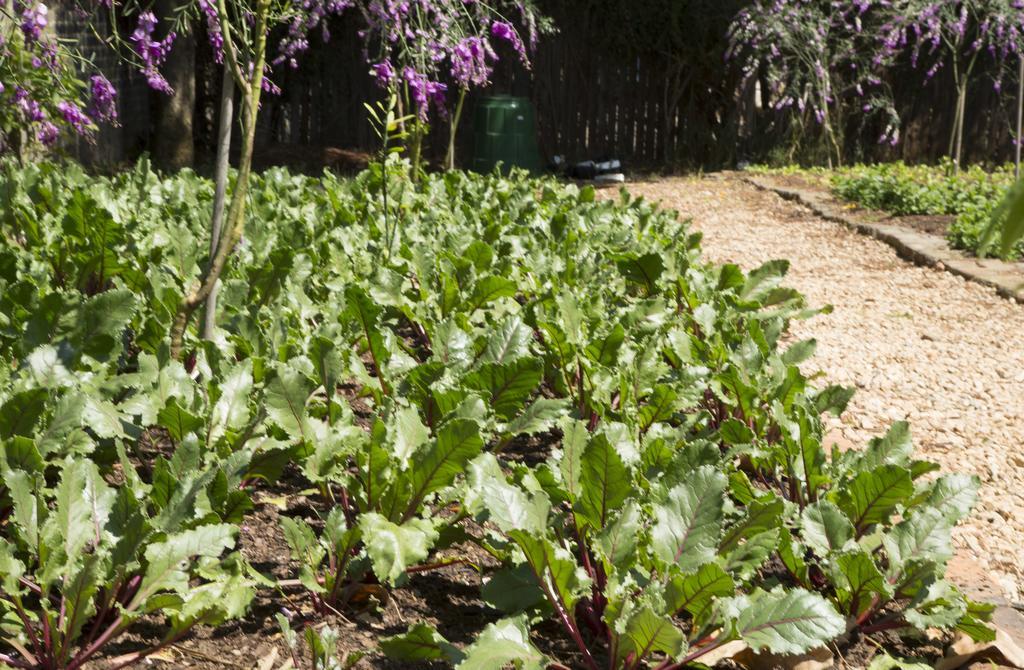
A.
pixel 584 553
pixel 102 614
pixel 47 639
pixel 38 648
pixel 344 558
pixel 346 507
pixel 597 603
pixel 64 643
pixel 574 630
pixel 579 385
pixel 11 661
pixel 87 653
pixel 563 615
pixel 870 611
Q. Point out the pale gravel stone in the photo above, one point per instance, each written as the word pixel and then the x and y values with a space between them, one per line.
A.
pixel 916 342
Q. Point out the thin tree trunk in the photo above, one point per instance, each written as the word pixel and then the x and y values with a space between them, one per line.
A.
pixel 173 146
pixel 232 233
pixel 1020 115
pixel 956 110
pixel 416 149
pixel 961 108
pixel 225 123
pixel 830 141
pixel 453 129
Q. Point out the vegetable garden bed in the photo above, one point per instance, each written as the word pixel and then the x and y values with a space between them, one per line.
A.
pixel 530 427
pixel 929 199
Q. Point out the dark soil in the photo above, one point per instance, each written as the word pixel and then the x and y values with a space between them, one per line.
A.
pixel 447 598
pixel 311 161
pixel 932 225
pixel 858 652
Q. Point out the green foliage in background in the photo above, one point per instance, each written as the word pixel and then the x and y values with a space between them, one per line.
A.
pixel 972 196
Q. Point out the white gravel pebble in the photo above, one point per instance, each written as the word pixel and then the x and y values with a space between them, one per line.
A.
pixel 917 342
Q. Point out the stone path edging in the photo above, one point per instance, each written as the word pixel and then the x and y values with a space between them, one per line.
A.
pixel 919 248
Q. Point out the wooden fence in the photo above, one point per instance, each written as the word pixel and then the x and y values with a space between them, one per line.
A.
pixel 590 103
pixel 649 109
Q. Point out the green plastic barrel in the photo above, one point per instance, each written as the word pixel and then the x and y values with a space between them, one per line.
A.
pixel 505 131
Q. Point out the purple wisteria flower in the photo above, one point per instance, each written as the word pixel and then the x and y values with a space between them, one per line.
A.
pixel 34 21
pixel 103 104
pixel 153 53
pixel 424 92
pixel 505 31
pixel 469 60
pixel 312 14
pixel 75 117
pixel 213 33
pixel 430 45
pixel 48 134
pixel 30 109
pixel 384 72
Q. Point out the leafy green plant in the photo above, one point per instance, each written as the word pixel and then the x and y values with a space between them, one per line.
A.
pixel 624 422
pixel 971 195
pixel 920 189
pixel 83 562
pixel 391 135
pixel 684 472
pixel 322 645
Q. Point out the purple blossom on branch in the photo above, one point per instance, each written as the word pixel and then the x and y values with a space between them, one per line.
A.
pixel 103 105
pixel 153 53
pixel 48 134
pixel 75 117
pixel 34 21
pixel 431 45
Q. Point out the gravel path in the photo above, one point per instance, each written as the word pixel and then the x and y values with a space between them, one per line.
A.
pixel 918 343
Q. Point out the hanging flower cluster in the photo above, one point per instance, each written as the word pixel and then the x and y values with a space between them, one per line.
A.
pixel 815 52
pixel 429 46
pixel 312 14
pixel 41 93
pixel 424 46
pixel 812 53
pixel 152 52
pixel 940 32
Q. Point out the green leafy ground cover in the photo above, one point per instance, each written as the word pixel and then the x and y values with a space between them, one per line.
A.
pixel 971 196
pixel 680 496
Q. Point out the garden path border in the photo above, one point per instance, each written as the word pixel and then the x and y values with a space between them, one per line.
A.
pixel 1007 278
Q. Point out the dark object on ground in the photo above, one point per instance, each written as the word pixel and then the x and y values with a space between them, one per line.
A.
pixel 592 169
